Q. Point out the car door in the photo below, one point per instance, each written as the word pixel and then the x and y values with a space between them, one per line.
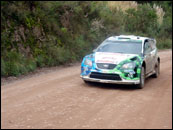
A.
pixel 153 54
pixel 148 57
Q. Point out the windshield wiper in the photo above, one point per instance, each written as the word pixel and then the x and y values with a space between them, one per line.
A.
pixel 119 52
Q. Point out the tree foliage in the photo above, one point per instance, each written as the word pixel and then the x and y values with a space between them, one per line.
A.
pixel 39 34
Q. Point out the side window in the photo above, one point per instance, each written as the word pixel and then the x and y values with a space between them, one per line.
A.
pixel 147 47
pixel 153 46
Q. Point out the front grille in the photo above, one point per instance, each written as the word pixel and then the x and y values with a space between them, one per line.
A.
pixel 106 66
pixel 105 76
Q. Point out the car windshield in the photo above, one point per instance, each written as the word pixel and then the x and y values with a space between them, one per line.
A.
pixel 128 47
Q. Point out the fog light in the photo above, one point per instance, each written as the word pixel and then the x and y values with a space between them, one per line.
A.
pixel 131 73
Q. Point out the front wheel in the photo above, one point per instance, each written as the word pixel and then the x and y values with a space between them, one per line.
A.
pixel 142 78
pixel 157 70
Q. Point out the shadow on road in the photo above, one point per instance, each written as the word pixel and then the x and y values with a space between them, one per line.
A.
pixel 117 86
pixel 111 86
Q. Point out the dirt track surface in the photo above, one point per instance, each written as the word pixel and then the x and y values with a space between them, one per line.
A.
pixel 60 99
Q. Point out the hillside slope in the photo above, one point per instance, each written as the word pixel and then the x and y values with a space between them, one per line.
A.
pixel 41 34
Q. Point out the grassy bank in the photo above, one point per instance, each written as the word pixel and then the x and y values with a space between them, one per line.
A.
pixel 45 34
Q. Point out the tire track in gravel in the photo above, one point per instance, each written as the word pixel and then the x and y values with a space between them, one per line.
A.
pixel 60 99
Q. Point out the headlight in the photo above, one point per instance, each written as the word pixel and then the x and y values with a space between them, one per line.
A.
pixel 88 62
pixel 130 65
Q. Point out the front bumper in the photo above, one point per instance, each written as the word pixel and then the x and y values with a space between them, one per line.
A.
pixel 123 81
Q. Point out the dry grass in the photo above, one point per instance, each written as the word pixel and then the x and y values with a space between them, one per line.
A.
pixel 124 5
pixel 160 13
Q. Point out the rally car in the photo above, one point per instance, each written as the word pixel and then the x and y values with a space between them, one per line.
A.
pixel 124 59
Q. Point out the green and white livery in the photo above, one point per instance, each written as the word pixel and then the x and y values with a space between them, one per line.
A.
pixel 124 59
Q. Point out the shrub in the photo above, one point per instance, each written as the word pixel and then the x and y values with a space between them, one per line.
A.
pixel 164 43
pixel 13 68
pixel 30 65
pixel 3 68
pixel 39 34
pixel 144 20
pixel 16 64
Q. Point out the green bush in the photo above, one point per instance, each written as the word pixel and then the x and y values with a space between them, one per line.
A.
pixel 12 68
pixel 16 64
pixel 3 68
pixel 164 43
pixel 42 34
pixel 40 61
pixel 30 65
pixel 144 20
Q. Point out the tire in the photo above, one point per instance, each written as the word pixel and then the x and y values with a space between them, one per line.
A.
pixel 157 70
pixel 142 79
pixel 87 82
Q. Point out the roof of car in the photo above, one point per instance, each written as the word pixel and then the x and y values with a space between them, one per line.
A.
pixel 127 37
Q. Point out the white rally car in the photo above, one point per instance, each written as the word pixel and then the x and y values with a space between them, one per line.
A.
pixel 124 59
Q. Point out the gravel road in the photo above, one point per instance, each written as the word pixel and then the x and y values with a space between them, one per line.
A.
pixel 60 99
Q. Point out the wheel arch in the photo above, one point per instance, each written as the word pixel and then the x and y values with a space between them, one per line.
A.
pixel 158 59
pixel 143 64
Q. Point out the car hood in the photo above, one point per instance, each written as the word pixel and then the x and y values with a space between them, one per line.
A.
pixel 111 58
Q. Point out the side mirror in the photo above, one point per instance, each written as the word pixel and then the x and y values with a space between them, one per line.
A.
pixel 94 50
